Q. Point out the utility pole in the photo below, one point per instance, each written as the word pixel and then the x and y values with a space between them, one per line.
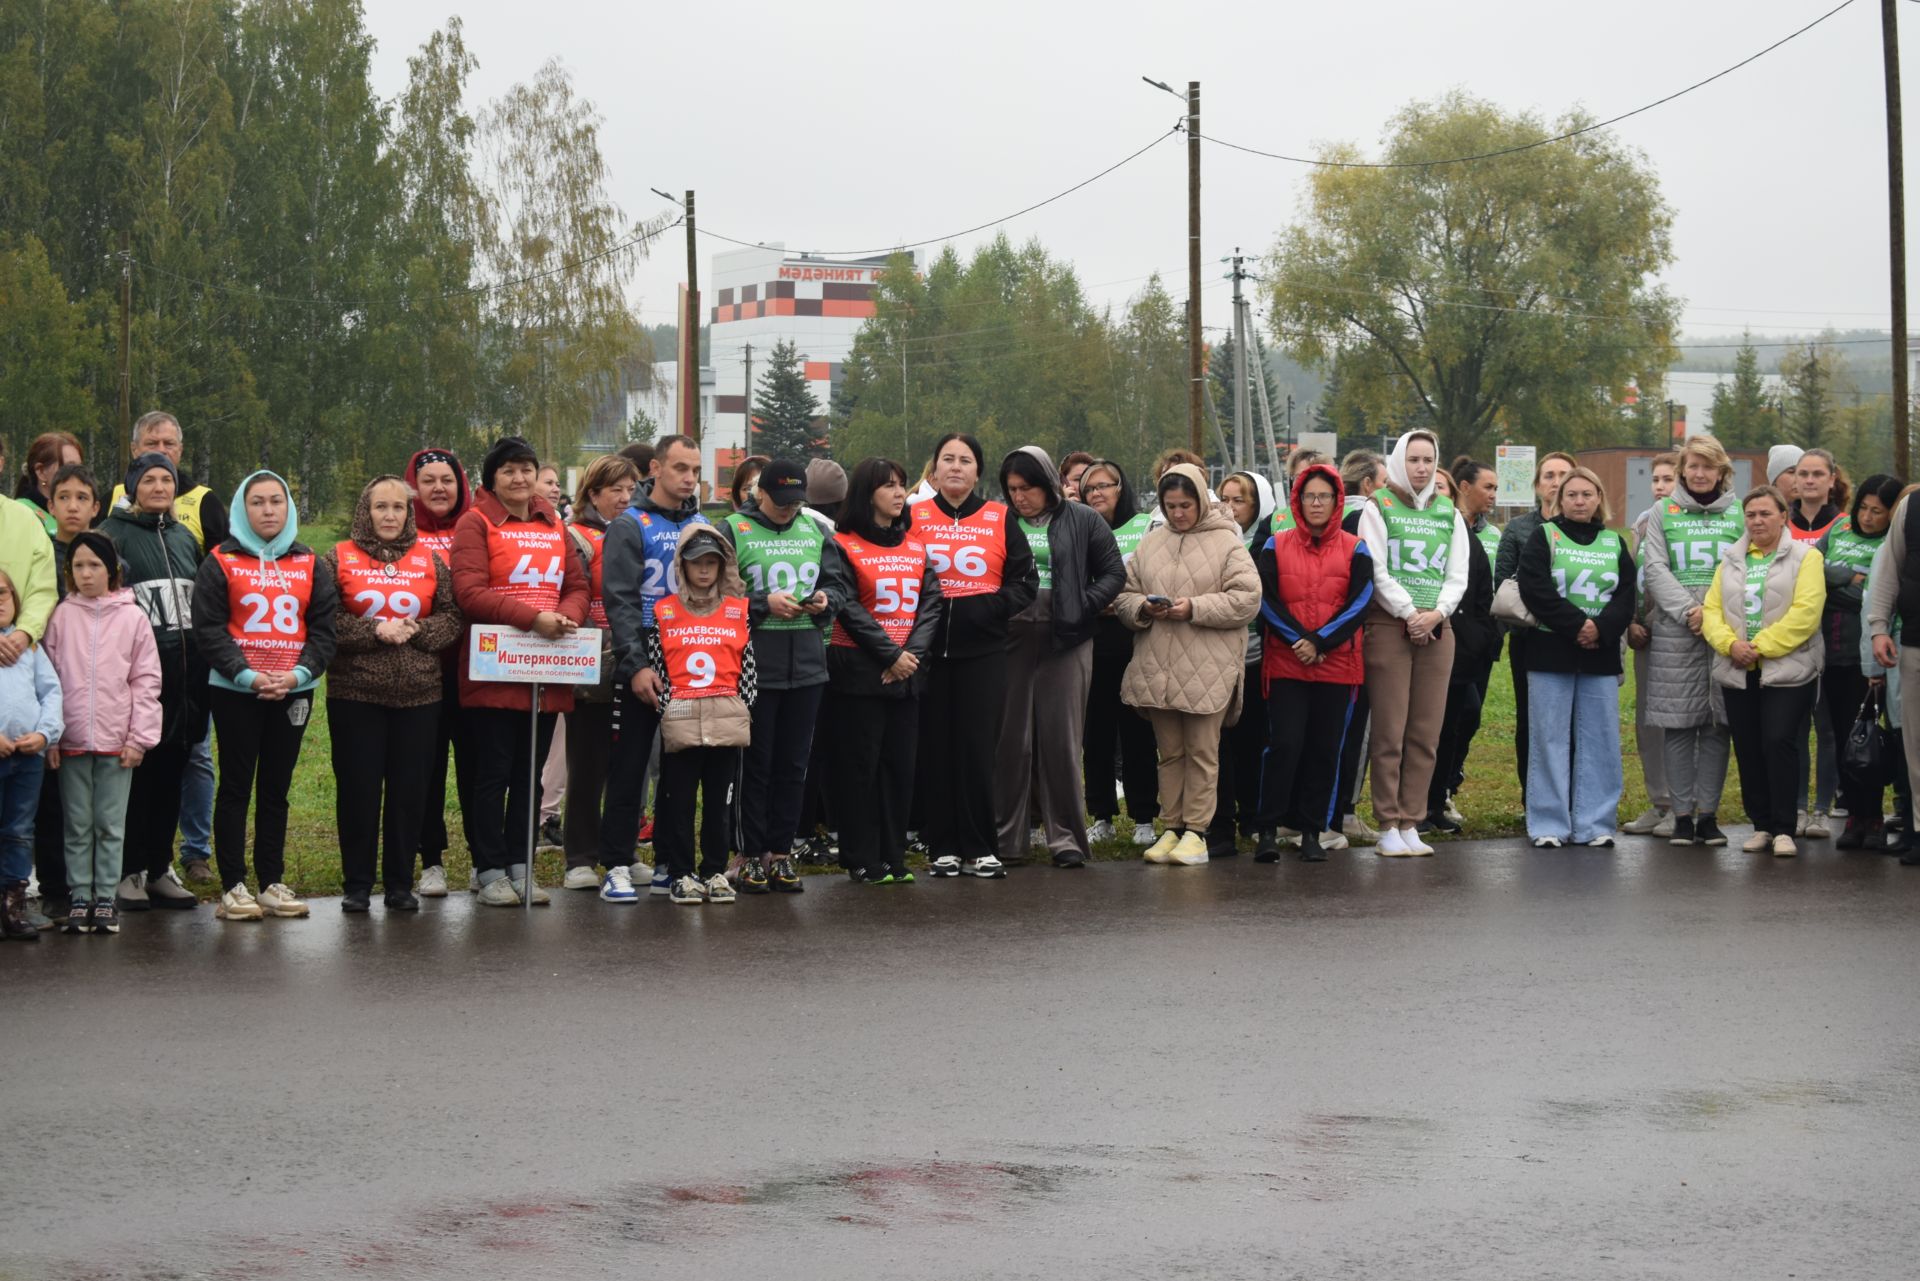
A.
pixel 1196 354
pixel 126 349
pixel 1896 231
pixel 690 404
pixel 1242 418
pixel 906 450
pixel 746 434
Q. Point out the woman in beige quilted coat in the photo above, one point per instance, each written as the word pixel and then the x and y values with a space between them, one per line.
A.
pixel 1191 591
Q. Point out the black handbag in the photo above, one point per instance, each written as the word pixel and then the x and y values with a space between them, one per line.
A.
pixel 1865 755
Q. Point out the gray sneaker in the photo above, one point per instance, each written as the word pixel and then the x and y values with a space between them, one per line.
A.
pixel 165 890
pixel 499 893
pixel 1646 822
pixel 131 894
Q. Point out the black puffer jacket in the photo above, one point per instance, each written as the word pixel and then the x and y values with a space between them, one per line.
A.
pixel 1476 634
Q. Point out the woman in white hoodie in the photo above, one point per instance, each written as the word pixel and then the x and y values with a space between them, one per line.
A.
pixel 1420 567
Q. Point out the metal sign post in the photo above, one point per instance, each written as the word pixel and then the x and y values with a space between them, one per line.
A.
pixel 507 654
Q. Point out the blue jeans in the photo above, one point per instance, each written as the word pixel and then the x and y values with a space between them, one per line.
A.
pixel 196 802
pixel 1573 756
pixel 20 776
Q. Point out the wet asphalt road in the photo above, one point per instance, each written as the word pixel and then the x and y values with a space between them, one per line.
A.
pixel 1493 1063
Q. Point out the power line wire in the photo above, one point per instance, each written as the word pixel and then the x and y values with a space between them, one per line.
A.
pixel 1543 142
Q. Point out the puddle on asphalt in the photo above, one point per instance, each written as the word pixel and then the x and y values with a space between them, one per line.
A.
pixel 1704 1108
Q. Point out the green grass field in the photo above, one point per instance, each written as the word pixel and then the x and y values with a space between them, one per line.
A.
pixel 1490 801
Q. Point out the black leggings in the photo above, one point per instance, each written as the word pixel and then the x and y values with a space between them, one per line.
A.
pixel 874 742
pixel 1765 722
pixel 382 757
pixel 707 778
pixel 259 745
pixel 498 788
pixel 1846 690
pixel 1111 726
pixel 775 772
pixel 1237 794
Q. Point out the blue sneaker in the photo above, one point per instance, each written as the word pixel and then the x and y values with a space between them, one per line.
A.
pixel 618 887
pixel 662 883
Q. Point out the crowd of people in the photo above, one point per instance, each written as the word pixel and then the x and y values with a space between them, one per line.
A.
pixel 970 664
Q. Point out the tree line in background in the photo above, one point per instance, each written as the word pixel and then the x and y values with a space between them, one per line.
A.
pixel 322 280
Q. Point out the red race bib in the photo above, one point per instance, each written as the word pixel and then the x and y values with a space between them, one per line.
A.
pixel 386 589
pixel 889 579
pixel 703 651
pixel 970 555
pixel 440 543
pixel 527 561
pixel 267 607
pixel 596 539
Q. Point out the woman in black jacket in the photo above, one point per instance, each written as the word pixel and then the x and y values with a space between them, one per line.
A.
pixel 1476 647
pixel 1577 577
pixel 881 636
pixel 1113 728
pixel 1050 660
pixel 986 576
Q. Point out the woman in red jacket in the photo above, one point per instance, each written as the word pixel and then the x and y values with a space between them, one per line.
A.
pixel 512 565
pixel 440 499
pixel 1315 582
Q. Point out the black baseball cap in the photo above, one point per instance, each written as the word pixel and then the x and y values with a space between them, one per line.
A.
pixel 784 482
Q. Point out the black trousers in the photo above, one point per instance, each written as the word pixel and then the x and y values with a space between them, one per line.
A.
pixel 1517 665
pixel 1352 759
pixel 874 741
pixel 1465 697
pixel 816 798
pixel 259 745
pixel 960 726
pixel 1237 797
pixel 50 839
pixel 499 799
pixel 382 757
pixel 433 809
pixel 703 778
pixel 589 737
pixel 153 810
pixel 775 768
pixel 633 725
pixel 1113 727
pixel 1764 722
pixel 1308 721
pixel 1846 690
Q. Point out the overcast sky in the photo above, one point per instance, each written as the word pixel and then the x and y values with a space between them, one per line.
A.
pixel 849 126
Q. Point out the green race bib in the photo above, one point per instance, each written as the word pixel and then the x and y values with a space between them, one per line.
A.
pixel 1586 576
pixel 1418 543
pixel 780 561
pixel 1042 552
pixel 1489 537
pixel 1282 520
pixel 1756 593
pixel 1130 534
pixel 1696 540
pixel 1845 547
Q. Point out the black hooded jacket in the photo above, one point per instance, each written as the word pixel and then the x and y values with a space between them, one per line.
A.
pixel 1087 570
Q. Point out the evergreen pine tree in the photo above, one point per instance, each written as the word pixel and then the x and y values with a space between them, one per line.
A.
pixel 785 409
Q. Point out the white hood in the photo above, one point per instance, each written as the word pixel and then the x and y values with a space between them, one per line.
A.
pixel 1397 467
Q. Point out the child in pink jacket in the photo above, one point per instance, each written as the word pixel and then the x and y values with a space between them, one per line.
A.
pixel 102 646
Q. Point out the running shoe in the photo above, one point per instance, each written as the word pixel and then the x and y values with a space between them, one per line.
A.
pixel 618 886
pixel 1159 851
pixel 753 877
pixel 1189 851
pixel 237 904
pixel 1143 834
pixel 987 868
pixel 785 877
pixel 80 917
pixel 106 917
pixel 581 878
pixel 1415 846
pixel 433 882
pixel 915 845
pixel 660 883
pixel 1759 842
pixel 1783 847
pixel 686 892
pixel 719 889
pixel 278 900
pixel 1818 826
pixel 1644 823
pixel 1706 831
pixel 945 865
pixel 551 836
pixel 1547 842
pixel 1099 830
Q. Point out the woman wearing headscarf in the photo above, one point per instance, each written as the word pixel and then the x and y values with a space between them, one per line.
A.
pixel 263 614
pixel 1050 660
pixel 397 617
pixel 1112 725
pixel 1191 590
pixel 440 499
pixel 1420 573
pixel 1249 498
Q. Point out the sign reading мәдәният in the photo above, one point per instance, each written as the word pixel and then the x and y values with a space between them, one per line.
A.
pixel 527 658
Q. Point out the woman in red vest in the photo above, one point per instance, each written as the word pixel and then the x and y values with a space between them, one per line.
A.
pixel 513 564
pixel 397 618
pixel 880 642
pixel 440 499
pixel 263 613
pixel 1316 581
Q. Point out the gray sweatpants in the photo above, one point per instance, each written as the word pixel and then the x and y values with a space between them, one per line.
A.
pixel 1037 769
pixel 1651 740
pixel 93 797
pixel 1697 767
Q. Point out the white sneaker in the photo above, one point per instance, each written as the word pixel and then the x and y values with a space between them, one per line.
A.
pixel 945 865
pixel 1357 830
pixel 1390 845
pixel 1332 840
pixel 278 900
pixel 585 878
pixel 1800 824
pixel 1817 830
pixel 1410 838
pixel 433 882
pixel 1160 849
pixel 1758 843
pixel 1099 830
pixel 988 868
pixel 640 873
pixel 1839 812
pixel 1648 820
pixel 1287 836
pixel 1783 847
pixel 1190 851
pixel 617 888
pixel 237 904
pixel 718 889
pixel 1143 834
pixel 1665 826
pixel 498 893
pixel 1452 811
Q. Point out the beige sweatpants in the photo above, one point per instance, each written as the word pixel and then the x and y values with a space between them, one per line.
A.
pixel 1407 688
pixel 1189 747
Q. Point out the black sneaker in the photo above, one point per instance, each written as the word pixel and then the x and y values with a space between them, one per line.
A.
pixel 1682 830
pixel 79 918
pixel 1910 859
pixel 402 901
pixel 900 874
pixel 106 917
pixel 784 877
pixel 870 876
pixel 552 837
pixel 1222 847
pixel 753 877
pixel 1071 860
pixel 1705 831
pixel 1267 847
pixel 356 901
pixel 1438 823
pixel 1310 851
pixel 1854 835
pixel 1898 839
